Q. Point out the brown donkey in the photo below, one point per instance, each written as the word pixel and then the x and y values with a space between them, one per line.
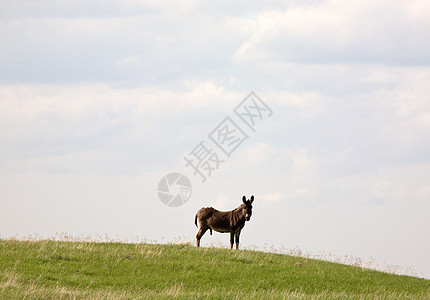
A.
pixel 224 221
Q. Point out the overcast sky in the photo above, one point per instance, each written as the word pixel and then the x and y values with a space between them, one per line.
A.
pixel 99 100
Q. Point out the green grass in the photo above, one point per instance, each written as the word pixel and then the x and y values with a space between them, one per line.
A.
pixel 89 270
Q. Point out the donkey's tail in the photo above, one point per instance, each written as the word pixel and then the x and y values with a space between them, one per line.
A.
pixel 195 221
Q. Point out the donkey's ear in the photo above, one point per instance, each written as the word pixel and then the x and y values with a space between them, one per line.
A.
pixel 252 198
pixel 244 199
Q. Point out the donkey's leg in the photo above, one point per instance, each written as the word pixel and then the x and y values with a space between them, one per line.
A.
pixel 199 235
pixel 237 240
pixel 231 240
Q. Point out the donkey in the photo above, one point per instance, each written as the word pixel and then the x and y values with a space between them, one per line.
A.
pixel 224 221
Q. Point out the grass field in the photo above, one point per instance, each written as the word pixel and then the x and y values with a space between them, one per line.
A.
pixel 89 270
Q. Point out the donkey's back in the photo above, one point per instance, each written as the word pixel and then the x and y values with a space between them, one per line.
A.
pixel 204 213
pixel 211 218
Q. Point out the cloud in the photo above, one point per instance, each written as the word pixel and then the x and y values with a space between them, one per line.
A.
pixel 254 157
pixel 97 9
pixel 225 202
pixel 128 48
pixel 252 47
pixel 339 32
pixel 268 199
pixel 84 125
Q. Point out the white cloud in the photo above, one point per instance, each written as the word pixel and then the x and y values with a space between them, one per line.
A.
pixel 268 199
pixel 381 76
pixel 254 156
pixel 338 32
pixel 225 202
pixel 170 43
pixel 48 127
pixel 299 193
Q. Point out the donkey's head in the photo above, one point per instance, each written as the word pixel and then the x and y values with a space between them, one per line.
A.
pixel 247 207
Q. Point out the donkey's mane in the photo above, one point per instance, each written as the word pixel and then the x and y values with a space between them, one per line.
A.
pixel 234 214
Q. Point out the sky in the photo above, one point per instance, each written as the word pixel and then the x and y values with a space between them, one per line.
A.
pixel 100 100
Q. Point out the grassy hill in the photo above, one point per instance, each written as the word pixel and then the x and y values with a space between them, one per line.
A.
pixel 82 270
